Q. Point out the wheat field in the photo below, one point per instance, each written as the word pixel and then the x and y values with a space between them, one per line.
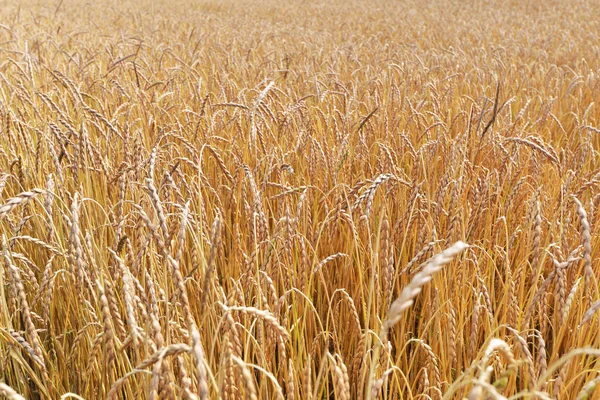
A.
pixel 299 200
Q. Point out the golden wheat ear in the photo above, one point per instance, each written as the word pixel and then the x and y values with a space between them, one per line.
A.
pixel 415 286
pixel 20 199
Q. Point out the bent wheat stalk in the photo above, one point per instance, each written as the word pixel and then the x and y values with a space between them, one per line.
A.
pixel 407 298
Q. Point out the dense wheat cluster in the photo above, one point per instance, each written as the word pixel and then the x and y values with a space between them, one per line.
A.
pixel 299 200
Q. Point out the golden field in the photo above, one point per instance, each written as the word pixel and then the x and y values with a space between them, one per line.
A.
pixel 299 200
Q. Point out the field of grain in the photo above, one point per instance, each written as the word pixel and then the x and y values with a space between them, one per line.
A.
pixel 299 199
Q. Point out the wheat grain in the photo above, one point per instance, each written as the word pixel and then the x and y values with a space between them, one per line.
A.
pixel 9 392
